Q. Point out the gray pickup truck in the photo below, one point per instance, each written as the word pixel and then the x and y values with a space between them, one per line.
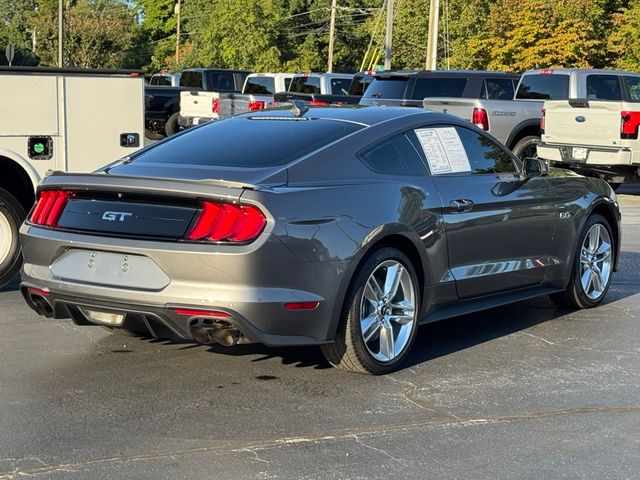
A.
pixel 497 102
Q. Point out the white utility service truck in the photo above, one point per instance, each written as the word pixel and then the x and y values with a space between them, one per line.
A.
pixel 59 119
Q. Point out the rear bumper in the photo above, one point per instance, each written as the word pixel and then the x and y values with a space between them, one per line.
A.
pixel 251 283
pixel 596 156
pixel 188 122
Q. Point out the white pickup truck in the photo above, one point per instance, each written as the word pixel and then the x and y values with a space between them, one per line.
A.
pixel 198 107
pixel 59 119
pixel 596 134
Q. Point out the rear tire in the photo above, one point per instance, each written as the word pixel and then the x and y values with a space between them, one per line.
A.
pixel 172 127
pixel 592 266
pixel 151 135
pixel 383 300
pixel 12 215
pixel 526 147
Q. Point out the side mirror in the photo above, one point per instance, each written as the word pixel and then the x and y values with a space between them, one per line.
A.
pixel 535 167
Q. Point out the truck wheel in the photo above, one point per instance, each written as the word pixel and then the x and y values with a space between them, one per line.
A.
pixel 151 135
pixel 526 147
pixel 11 216
pixel 172 126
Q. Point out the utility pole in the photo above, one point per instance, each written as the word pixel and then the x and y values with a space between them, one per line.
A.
pixel 332 34
pixel 388 39
pixel 432 42
pixel 60 33
pixel 177 12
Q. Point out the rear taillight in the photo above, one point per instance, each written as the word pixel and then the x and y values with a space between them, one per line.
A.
pixel 226 222
pixel 215 105
pixel 317 102
pixel 49 207
pixel 629 122
pixel 255 105
pixel 544 111
pixel 480 118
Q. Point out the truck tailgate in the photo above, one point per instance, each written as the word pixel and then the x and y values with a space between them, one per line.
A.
pixel 199 104
pixel 582 122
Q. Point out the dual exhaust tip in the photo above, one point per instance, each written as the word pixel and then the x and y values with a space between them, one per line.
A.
pixel 211 330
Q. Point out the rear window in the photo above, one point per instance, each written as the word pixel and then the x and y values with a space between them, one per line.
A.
pixel 359 84
pixel 305 85
pixel 260 86
pixel 221 82
pixel 387 88
pixel 439 87
pixel 244 142
pixel 161 80
pixel 603 87
pixel 633 87
pixel 544 87
pixel 340 86
pixel 191 79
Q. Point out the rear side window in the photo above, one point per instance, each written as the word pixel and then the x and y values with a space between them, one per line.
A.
pixel 221 82
pixel 248 142
pixel 395 156
pixel 305 85
pixel 498 89
pixel 260 86
pixel 340 86
pixel 633 88
pixel 439 87
pixel 393 88
pixel 603 87
pixel 544 87
pixel 191 79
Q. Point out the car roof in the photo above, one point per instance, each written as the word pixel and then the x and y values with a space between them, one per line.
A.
pixel 445 73
pixel 567 71
pixel 366 116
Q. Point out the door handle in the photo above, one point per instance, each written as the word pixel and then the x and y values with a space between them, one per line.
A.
pixel 461 205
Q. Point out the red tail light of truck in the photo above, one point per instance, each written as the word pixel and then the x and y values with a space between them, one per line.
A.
pixel 480 118
pixel 629 122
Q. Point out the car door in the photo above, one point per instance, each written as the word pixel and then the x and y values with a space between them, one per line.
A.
pixel 499 225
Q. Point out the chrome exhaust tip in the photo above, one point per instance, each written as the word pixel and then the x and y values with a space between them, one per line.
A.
pixel 209 331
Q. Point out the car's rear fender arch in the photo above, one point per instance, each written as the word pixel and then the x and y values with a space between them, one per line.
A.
pixel 521 130
pixel 393 235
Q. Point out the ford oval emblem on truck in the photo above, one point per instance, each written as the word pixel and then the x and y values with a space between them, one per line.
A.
pixel 580 119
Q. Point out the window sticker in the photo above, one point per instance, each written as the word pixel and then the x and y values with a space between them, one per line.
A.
pixel 444 150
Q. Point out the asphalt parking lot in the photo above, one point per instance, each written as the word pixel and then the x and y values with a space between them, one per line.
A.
pixel 524 391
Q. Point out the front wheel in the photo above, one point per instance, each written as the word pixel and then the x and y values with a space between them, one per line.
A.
pixel 592 266
pixel 11 216
pixel 379 316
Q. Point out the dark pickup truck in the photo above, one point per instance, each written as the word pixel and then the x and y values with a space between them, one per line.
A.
pixel 162 104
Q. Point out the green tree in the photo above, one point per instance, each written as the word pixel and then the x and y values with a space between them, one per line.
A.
pixel 98 34
pixel 623 40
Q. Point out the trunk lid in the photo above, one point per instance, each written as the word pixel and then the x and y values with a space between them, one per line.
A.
pixel 199 104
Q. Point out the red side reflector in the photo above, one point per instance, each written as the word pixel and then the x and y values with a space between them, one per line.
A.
pixel 301 305
pixel 201 313
pixel 51 204
pixel 228 222
pixel 480 119
pixel 255 105
pixel 38 291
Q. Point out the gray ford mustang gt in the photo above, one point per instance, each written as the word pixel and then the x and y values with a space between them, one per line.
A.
pixel 340 227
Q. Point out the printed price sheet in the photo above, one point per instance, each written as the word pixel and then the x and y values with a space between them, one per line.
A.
pixel 444 150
